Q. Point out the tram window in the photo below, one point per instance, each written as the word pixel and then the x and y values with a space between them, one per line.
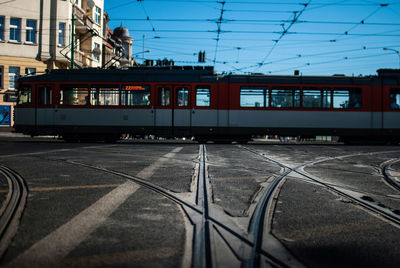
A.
pixel 74 95
pixel 164 95
pixel 182 96
pixel 285 97
pixel 104 95
pixel 347 98
pixel 394 98
pixel 25 95
pixel 316 98
pixel 135 95
pixel 203 96
pixel 254 97
pixel 44 95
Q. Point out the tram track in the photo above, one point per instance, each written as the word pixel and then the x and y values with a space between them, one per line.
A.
pixel 387 174
pixel 210 228
pixel 12 208
pixel 362 200
pixel 197 212
pixel 214 233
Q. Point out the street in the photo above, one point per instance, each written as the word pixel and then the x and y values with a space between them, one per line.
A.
pixel 182 204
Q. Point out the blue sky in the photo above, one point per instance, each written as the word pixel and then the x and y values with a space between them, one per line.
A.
pixel 266 36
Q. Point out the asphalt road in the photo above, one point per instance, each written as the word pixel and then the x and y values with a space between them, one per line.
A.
pixel 181 204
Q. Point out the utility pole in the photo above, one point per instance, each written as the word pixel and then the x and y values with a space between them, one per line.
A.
pixel 73 38
pixel 143 49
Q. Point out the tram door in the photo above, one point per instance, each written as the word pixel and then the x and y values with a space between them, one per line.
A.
pixel 182 113
pixel 44 108
pixel 173 110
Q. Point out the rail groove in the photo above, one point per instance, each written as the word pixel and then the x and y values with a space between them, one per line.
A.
pixel 206 227
pixel 12 208
pixel 371 207
pixel 385 167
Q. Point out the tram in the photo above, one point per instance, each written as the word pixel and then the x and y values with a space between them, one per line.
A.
pixel 196 102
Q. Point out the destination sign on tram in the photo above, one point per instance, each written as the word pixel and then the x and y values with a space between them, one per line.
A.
pixel 135 88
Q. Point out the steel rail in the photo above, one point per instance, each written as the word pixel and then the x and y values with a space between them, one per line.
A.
pixel 201 250
pixel 385 168
pixel 12 209
pixel 376 209
pixel 256 226
pixel 202 255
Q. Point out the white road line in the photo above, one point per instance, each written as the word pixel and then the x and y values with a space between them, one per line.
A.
pixel 149 171
pixel 49 251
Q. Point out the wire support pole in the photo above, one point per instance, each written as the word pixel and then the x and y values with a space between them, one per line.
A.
pixel 73 38
pixel 219 22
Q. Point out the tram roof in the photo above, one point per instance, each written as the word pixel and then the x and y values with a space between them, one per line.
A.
pixel 198 74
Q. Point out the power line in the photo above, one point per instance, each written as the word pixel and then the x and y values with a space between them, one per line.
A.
pixel 327 62
pixel 361 22
pixel 285 31
pixel 341 3
pixel 255 21
pixel 2 3
pixel 147 15
pixel 263 32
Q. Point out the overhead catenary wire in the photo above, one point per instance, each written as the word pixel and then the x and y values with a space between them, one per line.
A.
pixel 253 21
pixel 285 31
pixel 361 22
pixel 5 2
pixel 147 15
pixel 278 3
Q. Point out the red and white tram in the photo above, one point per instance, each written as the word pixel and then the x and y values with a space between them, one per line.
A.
pixel 196 102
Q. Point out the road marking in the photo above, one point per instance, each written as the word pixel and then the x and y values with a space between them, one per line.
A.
pixel 49 251
pixel 149 171
pixel 66 188
pixel 76 187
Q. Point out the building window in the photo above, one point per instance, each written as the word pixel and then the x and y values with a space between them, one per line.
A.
pixel 61 34
pixel 1 28
pixel 15 29
pixel 125 50
pixel 96 55
pixel 1 76
pixel 97 15
pixel 13 73
pixel 31 31
pixel 30 71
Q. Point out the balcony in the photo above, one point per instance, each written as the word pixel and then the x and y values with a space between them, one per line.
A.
pixel 79 57
pixel 83 22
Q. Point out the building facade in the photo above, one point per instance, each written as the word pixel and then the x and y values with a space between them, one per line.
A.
pixel 117 46
pixel 36 35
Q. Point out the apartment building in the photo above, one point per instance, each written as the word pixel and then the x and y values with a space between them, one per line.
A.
pixel 36 35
